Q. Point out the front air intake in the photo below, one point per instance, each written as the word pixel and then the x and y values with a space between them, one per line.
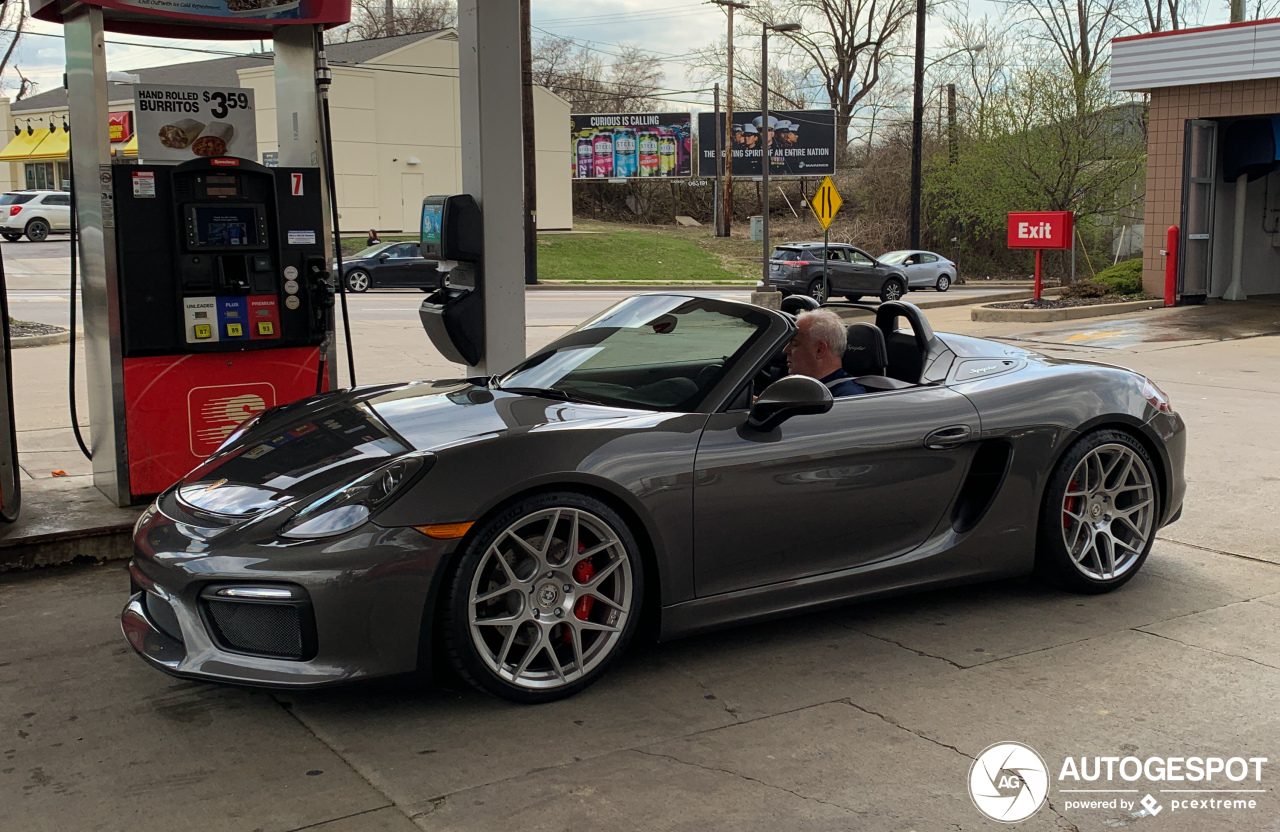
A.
pixel 278 630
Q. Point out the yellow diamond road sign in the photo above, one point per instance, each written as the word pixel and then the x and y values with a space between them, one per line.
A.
pixel 826 202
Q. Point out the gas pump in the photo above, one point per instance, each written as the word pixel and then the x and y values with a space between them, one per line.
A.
pixel 206 284
pixel 453 316
pixel 224 306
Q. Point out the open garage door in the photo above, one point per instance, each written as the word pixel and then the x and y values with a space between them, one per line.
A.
pixel 1198 162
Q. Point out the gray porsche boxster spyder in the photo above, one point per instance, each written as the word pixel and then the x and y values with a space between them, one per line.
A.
pixel 655 463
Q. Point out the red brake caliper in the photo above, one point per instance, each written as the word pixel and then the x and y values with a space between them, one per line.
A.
pixel 1069 505
pixel 582 573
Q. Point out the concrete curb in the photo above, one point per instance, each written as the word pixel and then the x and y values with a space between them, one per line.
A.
pixel 1069 313
pixel 100 544
pixel 41 340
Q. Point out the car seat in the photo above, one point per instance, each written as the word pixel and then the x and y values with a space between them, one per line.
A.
pixel 865 358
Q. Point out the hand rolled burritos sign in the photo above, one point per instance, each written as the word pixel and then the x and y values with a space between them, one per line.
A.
pixel 176 124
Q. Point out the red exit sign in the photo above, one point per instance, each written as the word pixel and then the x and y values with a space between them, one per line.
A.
pixel 1040 229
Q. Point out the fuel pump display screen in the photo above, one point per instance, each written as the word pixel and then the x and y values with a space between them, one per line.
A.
pixel 221 185
pixel 225 227
pixel 431 222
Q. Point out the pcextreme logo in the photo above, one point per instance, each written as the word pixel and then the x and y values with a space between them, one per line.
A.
pixel 1010 781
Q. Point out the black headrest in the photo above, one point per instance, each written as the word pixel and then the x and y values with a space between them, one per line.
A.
pixel 865 353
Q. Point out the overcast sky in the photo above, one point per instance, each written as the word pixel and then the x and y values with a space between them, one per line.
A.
pixel 666 28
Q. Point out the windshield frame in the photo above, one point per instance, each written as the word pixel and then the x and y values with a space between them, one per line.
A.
pixel 775 331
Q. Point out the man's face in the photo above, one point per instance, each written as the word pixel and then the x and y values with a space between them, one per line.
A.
pixel 806 355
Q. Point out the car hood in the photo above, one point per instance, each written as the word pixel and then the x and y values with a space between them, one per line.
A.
pixel 303 450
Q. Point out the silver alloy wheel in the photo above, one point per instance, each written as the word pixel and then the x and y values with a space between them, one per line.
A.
pixel 944 283
pixel 893 290
pixel 1108 513
pixel 358 281
pixel 550 598
pixel 816 292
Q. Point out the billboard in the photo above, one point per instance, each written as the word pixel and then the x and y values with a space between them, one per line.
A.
pixel 120 126
pixel 176 124
pixel 802 143
pixel 631 145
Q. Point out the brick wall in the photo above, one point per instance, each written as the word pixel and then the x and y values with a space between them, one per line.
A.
pixel 1170 109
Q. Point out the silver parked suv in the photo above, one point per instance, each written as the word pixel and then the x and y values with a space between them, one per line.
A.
pixel 34 213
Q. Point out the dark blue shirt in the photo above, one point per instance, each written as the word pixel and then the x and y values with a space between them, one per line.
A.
pixel 842 384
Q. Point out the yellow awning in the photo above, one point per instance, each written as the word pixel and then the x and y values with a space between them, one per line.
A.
pixel 55 146
pixel 22 146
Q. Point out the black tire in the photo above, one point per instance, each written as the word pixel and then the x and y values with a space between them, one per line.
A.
pixel 893 289
pixel 815 290
pixel 13 238
pixel 944 283
pixel 1054 562
pixel 459 641
pixel 358 280
pixel 853 298
pixel 37 231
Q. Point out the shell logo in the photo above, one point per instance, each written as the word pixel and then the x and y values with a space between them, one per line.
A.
pixel 215 412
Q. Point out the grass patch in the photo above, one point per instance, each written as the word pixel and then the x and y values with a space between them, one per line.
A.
pixel 631 256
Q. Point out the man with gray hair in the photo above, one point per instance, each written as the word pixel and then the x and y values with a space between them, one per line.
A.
pixel 817 350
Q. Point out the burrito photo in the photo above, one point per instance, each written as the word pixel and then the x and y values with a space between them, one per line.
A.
pixel 214 140
pixel 180 134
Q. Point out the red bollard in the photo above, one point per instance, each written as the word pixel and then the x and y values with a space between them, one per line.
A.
pixel 1171 265
pixel 1038 284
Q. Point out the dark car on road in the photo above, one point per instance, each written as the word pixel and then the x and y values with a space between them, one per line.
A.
pixel 390 266
pixel 796 268
pixel 654 463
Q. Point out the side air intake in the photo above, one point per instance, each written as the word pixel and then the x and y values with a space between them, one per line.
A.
pixel 986 475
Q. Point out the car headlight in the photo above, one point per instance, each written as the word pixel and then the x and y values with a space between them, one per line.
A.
pixel 344 509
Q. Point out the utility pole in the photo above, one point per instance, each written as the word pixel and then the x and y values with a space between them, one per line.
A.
pixel 766 155
pixel 726 195
pixel 716 211
pixel 953 156
pixel 917 130
pixel 1237 11
pixel 391 18
pixel 530 146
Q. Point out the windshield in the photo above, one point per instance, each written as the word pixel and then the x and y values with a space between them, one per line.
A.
pixel 894 258
pixel 16 199
pixel 656 352
pixel 372 251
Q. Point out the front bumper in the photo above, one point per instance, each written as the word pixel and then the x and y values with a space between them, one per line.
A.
pixel 366 591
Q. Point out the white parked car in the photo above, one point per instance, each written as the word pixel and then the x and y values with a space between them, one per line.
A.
pixel 34 213
pixel 925 270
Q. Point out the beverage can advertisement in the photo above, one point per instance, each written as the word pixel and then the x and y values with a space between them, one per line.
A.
pixel 635 144
pixel 625 151
pixel 603 144
pixel 648 153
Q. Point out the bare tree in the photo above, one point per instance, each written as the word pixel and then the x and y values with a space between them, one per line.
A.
pixel 627 82
pixel 13 19
pixel 981 51
pixel 379 19
pixel 847 43
pixel 1078 31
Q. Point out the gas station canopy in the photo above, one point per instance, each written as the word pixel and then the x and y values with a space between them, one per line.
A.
pixel 217 20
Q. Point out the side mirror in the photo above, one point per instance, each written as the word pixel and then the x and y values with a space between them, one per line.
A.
pixel 382 258
pixel 787 397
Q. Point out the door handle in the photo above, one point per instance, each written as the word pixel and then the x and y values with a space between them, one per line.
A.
pixel 948 437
